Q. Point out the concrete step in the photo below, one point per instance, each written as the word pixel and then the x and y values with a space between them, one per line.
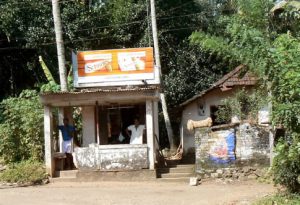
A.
pixel 172 163
pixel 175 175
pixel 181 179
pixel 59 179
pixel 66 174
pixel 180 169
pixel 180 166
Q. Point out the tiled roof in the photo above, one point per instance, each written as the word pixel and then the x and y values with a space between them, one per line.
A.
pixel 237 77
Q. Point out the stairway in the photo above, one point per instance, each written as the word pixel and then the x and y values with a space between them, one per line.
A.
pixel 176 171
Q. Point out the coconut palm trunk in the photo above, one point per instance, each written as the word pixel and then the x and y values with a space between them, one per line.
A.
pixel 59 45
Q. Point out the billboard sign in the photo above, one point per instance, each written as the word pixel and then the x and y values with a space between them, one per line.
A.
pixel 117 67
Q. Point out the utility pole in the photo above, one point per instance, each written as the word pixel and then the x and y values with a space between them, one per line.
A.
pixel 158 64
pixel 59 45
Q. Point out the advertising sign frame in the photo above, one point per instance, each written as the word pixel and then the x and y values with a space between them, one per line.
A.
pixel 116 67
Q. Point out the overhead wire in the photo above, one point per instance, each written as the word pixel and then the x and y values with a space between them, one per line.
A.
pixel 99 38
pixel 120 24
pixel 110 26
pixel 24 3
pixel 180 6
pixel 188 54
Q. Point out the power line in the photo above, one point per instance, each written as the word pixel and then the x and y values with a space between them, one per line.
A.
pixel 110 26
pixel 171 17
pixel 99 27
pixel 189 55
pixel 177 29
pixel 180 6
pixel 99 38
pixel 27 3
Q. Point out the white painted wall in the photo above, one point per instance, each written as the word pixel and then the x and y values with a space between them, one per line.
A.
pixel 48 132
pixel 88 125
pixel 191 112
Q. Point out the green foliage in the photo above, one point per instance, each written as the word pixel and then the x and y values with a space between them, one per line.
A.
pixel 286 166
pixel 25 172
pixel 286 17
pixel 284 76
pixel 20 25
pixel 21 131
pixel 54 87
pixel 268 43
pixel 244 105
pixel 191 72
pixel 283 199
pixel 50 87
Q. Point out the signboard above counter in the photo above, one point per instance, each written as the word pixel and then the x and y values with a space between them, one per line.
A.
pixel 116 67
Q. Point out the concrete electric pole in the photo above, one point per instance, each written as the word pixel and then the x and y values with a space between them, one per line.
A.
pixel 158 64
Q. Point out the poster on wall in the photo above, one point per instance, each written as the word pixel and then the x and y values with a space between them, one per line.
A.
pixel 132 66
pixel 222 150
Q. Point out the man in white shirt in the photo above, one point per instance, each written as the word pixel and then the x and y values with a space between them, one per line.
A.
pixel 137 131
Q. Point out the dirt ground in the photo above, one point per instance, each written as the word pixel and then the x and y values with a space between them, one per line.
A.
pixel 136 193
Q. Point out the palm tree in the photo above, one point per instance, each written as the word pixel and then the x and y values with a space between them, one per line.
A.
pixel 59 45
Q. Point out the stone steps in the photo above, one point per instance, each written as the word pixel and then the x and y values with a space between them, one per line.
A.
pixel 176 172
pixel 176 175
pixel 178 169
pixel 177 179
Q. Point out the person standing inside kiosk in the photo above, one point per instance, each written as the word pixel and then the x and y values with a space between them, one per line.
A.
pixel 67 132
pixel 136 132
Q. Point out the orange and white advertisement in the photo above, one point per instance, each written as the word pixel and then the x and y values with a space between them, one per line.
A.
pixel 118 65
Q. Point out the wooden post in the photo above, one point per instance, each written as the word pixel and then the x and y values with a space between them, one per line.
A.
pixel 150 137
pixel 97 124
pixel 48 130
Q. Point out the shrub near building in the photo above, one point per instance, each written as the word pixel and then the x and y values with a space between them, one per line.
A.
pixel 21 138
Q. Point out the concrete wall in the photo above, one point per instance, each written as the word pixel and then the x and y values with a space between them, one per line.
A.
pixel 231 147
pixel 193 112
pixel 88 125
pixel 111 157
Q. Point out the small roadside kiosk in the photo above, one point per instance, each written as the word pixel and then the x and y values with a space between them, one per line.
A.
pixel 112 88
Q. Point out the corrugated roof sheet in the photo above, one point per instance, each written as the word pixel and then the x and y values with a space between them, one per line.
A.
pixel 106 90
pixel 236 77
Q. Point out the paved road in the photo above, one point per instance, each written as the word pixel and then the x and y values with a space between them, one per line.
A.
pixel 135 193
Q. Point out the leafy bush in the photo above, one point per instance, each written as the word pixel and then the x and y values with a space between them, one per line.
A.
pixel 286 166
pixel 285 80
pixel 243 104
pixel 21 131
pixel 29 172
pixel 287 199
pixel 269 45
